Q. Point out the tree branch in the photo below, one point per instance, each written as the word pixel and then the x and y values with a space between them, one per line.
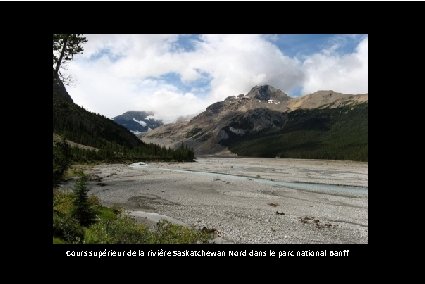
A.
pixel 65 40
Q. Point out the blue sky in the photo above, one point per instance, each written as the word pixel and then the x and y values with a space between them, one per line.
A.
pixel 299 45
pixel 180 75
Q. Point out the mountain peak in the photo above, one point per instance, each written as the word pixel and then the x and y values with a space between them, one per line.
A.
pixel 138 121
pixel 137 113
pixel 266 92
pixel 326 92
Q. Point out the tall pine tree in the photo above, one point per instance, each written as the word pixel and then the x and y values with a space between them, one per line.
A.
pixel 82 210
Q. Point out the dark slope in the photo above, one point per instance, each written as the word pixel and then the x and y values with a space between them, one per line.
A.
pixel 326 133
pixel 76 124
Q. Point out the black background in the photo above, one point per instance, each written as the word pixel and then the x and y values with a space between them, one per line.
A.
pixel 26 93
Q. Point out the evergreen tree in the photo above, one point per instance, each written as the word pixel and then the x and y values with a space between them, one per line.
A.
pixel 61 159
pixel 82 210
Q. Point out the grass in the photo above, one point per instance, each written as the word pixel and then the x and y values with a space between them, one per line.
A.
pixel 114 227
pixel 57 240
pixel 106 213
pixel 75 169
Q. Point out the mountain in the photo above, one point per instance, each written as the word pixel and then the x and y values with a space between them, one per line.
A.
pixel 266 122
pixel 316 133
pixel 83 127
pixel 93 137
pixel 138 121
pixel 267 93
pixel 322 99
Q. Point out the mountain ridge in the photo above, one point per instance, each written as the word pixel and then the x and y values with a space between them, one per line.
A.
pixel 262 111
pixel 82 136
pixel 83 127
pixel 138 121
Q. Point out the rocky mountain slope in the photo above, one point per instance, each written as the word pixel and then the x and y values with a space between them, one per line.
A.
pixel 138 121
pixel 266 112
pixel 323 99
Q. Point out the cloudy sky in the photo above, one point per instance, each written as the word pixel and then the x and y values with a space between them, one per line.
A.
pixel 180 75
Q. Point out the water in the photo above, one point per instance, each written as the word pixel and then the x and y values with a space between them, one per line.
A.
pixel 138 165
pixel 345 190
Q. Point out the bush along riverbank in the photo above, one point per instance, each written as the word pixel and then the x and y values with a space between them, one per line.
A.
pixel 81 219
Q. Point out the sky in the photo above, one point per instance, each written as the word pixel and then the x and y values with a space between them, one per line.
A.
pixel 178 76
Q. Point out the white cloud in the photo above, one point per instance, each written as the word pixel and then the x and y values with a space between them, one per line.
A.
pixel 235 63
pixel 342 73
pixel 167 102
pixel 239 62
pixel 111 95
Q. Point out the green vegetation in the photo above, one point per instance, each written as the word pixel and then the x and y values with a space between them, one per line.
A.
pixel 65 227
pixel 78 218
pixel 121 230
pixel 114 143
pixel 82 211
pixel 110 225
pixel 78 125
pixel 61 160
pixel 64 156
pixel 338 133
pixel 124 230
pixel 168 233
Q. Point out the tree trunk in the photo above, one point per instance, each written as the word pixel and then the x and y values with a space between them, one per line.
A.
pixel 65 41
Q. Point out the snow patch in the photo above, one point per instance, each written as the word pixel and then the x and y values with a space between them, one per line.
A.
pixel 141 122
pixel 136 132
pixel 150 117
pixel 273 102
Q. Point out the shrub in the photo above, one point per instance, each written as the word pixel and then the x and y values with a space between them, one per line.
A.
pixel 125 230
pixel 62 202
pixel 168 233
pixel 122 230
pixel 57 240
pixel 61 160
pixel 67 228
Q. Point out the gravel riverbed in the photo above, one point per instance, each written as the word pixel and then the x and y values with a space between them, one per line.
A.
pixel 247 200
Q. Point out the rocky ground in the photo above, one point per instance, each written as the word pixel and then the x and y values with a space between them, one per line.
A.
pixel 246 200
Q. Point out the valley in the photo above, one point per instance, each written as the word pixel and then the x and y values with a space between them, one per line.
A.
pixel 246 200
pixel 266 122
pixel 213 141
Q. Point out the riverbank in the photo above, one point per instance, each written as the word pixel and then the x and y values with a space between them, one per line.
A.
pixel 247 200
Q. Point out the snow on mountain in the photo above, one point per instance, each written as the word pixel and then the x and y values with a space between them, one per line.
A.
pixel 141 122
pixel 138 121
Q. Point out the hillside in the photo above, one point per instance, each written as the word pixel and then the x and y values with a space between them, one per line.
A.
pixel 83 127
pixel 266 122
pixel 322 99
pixel 327 133
pixel 93 137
